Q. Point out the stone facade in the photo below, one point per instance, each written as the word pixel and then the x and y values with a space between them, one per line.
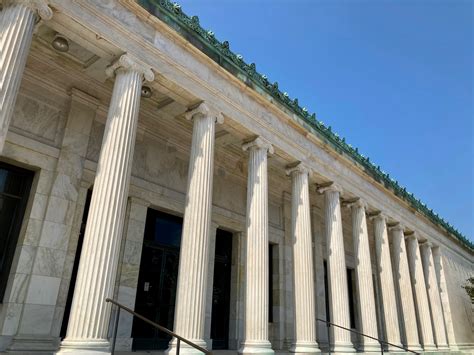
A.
pixel 63 118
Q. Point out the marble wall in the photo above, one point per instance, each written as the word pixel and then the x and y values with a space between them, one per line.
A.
pixel 58 134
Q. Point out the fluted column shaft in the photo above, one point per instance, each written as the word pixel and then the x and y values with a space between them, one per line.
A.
pixel 443 290
pixel 256 290
pixel 190 309
pixel 433 296
pixel 17 22
pixel 364 283
pixel 304 309
pixel 387 287
pixel 403 283
pixel 419 290
pixel 88 324
pixel 337 275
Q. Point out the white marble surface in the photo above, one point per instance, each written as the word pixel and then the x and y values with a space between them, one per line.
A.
pixel 17 21
pixel 387 285
pixel 340 341
pixel 58 183
pixel 255 338
pixel 103 233
pixel 420 294
pixel 304 306
pixel 363 273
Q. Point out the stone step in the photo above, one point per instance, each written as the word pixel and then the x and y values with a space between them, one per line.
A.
pixel 162 352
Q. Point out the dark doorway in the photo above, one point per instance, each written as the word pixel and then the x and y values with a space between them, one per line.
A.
pixel 157 280
pixel 77 257
pixel 15 184
pixel 221 291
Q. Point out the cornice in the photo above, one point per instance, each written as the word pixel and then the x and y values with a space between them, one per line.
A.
pixel 220 52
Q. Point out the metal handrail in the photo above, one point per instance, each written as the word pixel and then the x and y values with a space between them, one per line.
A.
pixel 382 342
pixel 146 320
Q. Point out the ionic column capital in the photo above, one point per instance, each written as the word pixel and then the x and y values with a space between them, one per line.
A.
pixel 397 227
pixel 331 187
pixel 127 62
pixel 437 250
pixel 379 216
pixel 298 168
pixel 39 7
pixel 258 143
pixel 411 236
pixel 204 110
pixel 426 244
pixel 355 203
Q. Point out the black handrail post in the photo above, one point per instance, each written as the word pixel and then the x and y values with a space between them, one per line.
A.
pixel 177 346
pixel 381 347
pixel 114 337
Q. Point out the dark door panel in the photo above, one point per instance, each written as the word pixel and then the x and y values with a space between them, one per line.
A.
pixel 15 184
pixel 221 291
pixel 157 280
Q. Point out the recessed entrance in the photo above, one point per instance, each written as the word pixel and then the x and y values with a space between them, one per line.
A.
pixel 15 184
pixel 221 291
pixel 157 280
pixel 158 277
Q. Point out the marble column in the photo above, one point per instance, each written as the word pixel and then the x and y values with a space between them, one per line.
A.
pixel 304 307
pixel 433 296
pixel 87 331
pixel 17 22
pixel 420 295
pixel 448 321
pixel 210 284
pixel 364 281
pixel 256 290
pixel 190 309
pixel 338 298
pixel 387 286
pixel 403 284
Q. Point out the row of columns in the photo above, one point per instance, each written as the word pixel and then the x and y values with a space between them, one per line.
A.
pixel 88 325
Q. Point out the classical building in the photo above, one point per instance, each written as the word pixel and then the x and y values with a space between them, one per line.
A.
pixel 143 161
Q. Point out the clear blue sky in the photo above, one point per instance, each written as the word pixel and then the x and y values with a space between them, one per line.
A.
pixel 395 78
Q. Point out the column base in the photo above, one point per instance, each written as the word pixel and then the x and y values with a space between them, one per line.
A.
pixel 256 347
pixel 443 348
pixel 185 348
pixel 394 349
pixel 430 348
pixel 305 347
pixel 342 348
pixel 453 347
pixel 415 347
pixel 370 348
pixel 84 347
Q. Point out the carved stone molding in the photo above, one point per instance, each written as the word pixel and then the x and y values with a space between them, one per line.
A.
pixel 355 203
pixel 127 62
pixel 397 227
pixel 40 7
pixel 332 186
pixel 298 167
pixel 377 216
pixel 258 143
pixel 204 110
